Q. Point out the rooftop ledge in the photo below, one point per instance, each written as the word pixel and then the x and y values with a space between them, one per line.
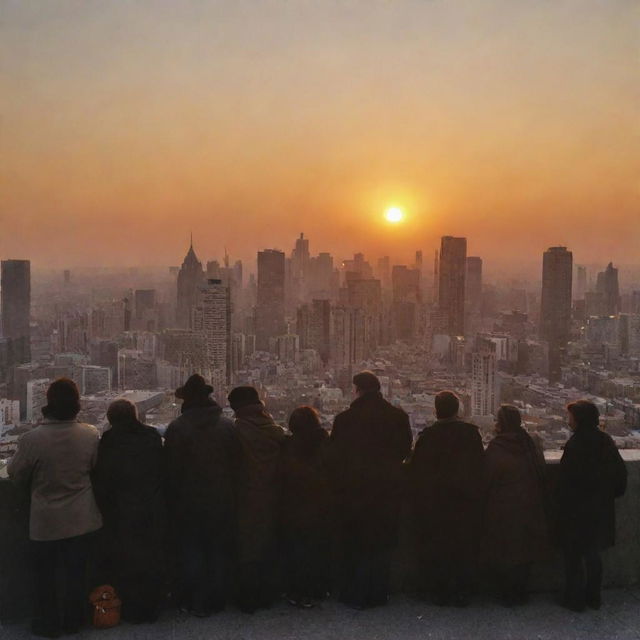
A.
pixel 405 616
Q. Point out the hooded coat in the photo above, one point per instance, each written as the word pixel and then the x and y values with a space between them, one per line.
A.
pixel 446 473
pixel 369 443
pixel 592 475
pixel 203 458
pixel 515 528
pixel 261 441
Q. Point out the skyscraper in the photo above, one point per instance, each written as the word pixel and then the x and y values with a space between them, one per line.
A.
pixel 607 285
pixel 581 282
pixel 15 281
pixel 270 297
pixel 473 285
pixel 212 316
pixel 555 308
pixel 484 397
pixel 190 277
pixel 452 267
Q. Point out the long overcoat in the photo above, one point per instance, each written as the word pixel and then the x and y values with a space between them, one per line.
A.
pixel 369 443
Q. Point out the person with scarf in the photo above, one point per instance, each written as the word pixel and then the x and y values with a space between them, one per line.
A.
pixel 261 441
pixel 592 476
pixel 203 458
pixel 446 472
pixel 368 445
pixel 127 481
pixel 306 509
pixel 515 526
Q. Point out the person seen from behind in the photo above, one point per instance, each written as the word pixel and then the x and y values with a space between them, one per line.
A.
pixel 261 442
pixel 306 514
pixel 446 474
pixel 368 445
pixel 202 457
pixel 53 463
pixel 128 484
pixel 515 525
pixel 592 476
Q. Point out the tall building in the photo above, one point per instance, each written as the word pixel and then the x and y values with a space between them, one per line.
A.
pixel 607 285
pixel 270 320
pixel 484 389
pixel 555 307
pixel 473 285
pixel 452 266
pixel 15 281
pixel 213 317
pixel 36 398
pixel 314 327
pixel 581 282
pixel 190 278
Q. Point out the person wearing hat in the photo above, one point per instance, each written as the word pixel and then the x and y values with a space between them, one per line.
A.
pixel 368 445
pixel 203 455
pixel 262 441
pixel 53 462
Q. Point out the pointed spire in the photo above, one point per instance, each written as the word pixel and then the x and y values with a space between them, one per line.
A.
pixel 191 241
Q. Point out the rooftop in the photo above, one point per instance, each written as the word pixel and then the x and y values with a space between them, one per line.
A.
pixel 404 618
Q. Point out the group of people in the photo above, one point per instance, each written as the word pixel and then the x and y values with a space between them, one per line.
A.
pixel 247 509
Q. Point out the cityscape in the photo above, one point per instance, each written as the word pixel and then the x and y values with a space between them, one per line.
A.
pixel 299 324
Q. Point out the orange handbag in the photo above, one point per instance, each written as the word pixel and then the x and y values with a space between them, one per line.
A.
pixel 106 607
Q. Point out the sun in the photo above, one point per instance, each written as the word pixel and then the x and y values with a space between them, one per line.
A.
pixel 394 215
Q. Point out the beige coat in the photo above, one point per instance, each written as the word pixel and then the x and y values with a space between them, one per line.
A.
pixel 54 462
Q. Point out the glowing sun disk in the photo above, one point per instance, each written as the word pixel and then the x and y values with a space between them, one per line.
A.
pixel 394 214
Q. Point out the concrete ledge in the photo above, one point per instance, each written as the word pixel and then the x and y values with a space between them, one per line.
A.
pixel 622 563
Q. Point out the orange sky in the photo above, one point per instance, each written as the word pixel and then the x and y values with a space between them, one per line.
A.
pixel 127 124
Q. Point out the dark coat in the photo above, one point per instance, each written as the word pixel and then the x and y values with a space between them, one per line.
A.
pixel 128 483
pixel 261 442
pixel 306 497
pixel 446 473
pixel 369 443
pixel 203 458
pixel 592 475
pixel 515 529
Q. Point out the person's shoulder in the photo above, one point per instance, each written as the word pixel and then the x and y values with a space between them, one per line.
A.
pixel 87 429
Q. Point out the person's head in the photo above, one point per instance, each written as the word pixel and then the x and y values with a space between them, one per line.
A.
pixel 122 412
pixel 583 413
pixel 508 419
pixel 243 397
pixel 303 419
pixel 63 400
pixel 447 405
pixel 195 389
pixel 366 382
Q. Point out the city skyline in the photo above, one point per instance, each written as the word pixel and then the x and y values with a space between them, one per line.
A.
pixel 478 120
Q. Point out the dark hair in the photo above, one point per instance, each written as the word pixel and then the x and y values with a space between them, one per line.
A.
pixel 242 397
pixel 63 400
pixel 447 405
pixel 366 382
pixel 195 388
pixel 509 418
pixel 585 413
pixel 122 411
pixel 303 419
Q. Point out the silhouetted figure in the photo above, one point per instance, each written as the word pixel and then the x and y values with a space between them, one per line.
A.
pixel 203 454
pixel 128 484
pixel 446 473
pixel 54 463
pixel 369 442
pixel 306 509
pixel 592 475
pixel 515 531
pixel 261 440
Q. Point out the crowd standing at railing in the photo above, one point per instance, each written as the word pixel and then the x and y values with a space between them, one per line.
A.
pixel 245 509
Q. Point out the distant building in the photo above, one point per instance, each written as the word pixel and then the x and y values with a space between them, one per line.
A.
pixel 190 278
pixel 607 285
pixel 36 398
pixel 473 285
pixel 270 320
pixel 484 389
pixel 313 326
pixel 15 281
pixel 212 317
pixel 581 283
pixel 452 266
pixel 9 412
pixel 555 309
pixel 94 379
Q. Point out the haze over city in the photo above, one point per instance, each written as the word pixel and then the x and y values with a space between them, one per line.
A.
pixel 126 125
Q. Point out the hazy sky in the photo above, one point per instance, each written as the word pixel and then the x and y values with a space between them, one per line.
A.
pixel 126 124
